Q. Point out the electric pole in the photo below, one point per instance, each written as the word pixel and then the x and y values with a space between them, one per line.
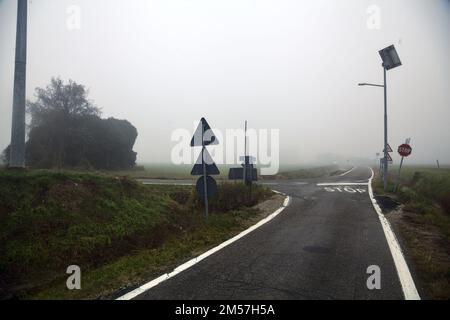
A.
pixel 17 147
pixel 386 154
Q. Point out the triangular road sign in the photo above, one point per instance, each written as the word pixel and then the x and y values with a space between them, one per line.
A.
pixel 204 133
pixel 211 168
pixel 389 148
pixel 389 158
pixel 206 157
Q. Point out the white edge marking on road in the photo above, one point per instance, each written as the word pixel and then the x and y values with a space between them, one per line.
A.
pixel 346 173
pixel 406 280
pixel 341 184
pixel 190 263
pixel 168 184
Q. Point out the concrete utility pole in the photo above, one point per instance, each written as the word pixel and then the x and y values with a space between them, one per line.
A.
pixel 17 148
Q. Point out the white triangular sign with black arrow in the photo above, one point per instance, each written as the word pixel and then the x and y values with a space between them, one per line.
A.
pixel 204 136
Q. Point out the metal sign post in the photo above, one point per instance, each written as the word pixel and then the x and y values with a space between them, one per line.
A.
pixel 205 187
pixel 245 153
pixel 404 150
pixel 247 173
pixel 381 167
pixel 386 154
pixel 205 167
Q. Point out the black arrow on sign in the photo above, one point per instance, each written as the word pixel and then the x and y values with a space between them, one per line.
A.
pixel 204 136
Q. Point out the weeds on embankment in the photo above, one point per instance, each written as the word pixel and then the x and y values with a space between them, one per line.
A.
pixel 424 224
pixel 118 231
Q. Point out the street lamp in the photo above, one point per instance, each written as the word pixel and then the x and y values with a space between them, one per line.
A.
pixel 391 60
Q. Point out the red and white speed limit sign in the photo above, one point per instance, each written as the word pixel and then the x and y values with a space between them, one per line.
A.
pixel 405 150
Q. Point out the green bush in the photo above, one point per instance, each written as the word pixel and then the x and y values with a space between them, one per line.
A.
pixel 232 196
pixel 427 186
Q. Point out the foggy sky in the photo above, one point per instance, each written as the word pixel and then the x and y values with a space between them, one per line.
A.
pixel 288 65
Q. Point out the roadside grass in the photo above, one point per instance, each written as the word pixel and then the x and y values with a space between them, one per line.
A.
pixel 143 265
pixel 166 172
pixel 118 231
pixel 183 172
pixel 424 224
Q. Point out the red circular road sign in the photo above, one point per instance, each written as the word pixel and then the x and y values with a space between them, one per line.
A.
pixel 405 150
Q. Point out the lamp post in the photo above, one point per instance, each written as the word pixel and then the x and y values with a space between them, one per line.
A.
pixel 391 60
pixel 17 148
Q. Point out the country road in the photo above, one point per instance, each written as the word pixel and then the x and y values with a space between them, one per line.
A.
pixel 319 247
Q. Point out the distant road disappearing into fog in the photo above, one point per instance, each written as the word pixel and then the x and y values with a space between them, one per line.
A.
pixel 319 247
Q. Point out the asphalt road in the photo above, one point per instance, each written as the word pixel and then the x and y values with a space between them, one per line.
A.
pixel 319 247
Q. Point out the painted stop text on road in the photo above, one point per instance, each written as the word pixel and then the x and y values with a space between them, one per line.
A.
pixel 345 190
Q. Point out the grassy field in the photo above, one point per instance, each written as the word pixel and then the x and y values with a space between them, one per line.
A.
pixel 168 172
pixel 118 231
pixel 180 172
pixel 307 172
pixel 424 224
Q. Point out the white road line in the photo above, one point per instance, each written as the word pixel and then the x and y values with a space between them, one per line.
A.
pixel 345 173
pixel 167 183
pixel 406 280
pixel 341 184
pixel 187 265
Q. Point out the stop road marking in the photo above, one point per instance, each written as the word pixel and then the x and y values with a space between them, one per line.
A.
pixel 345 189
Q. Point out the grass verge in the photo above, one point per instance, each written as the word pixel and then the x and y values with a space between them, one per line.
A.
pixel 423 224
pixel 118 231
